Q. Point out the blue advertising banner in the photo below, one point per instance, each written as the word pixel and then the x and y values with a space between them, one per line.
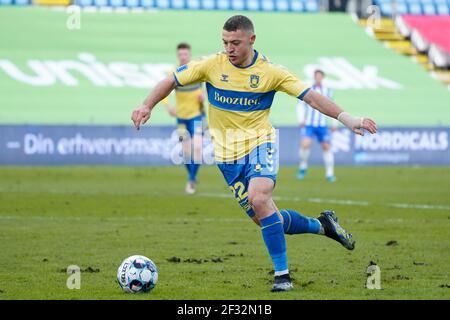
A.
pixel 159 145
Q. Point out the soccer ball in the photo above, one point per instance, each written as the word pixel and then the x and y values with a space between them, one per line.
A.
pixel 137 274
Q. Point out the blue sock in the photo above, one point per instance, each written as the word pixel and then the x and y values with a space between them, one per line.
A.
pixel 193 174
pixel 273 235
pixel 295 223
pixel 189 170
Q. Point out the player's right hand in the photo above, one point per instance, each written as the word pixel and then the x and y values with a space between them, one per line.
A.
pixel 367 124
pixel 140 116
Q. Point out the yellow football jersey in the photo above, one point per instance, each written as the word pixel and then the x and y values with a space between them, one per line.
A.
pixel 187 105
pixel 239 100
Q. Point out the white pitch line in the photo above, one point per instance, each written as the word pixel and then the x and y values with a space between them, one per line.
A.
pixel 119 219
pixel 319 200
pixel 419 206
pixel 280 198
pixel 341 202
pixel 150 219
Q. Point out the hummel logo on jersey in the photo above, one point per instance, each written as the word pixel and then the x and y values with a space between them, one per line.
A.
pixel 224 78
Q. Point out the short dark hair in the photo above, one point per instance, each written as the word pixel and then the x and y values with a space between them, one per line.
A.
pixel 319 71
pixel 183 45
pixel 238 22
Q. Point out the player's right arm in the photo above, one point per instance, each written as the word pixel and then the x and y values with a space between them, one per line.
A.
pixel 193 72
pixel 141 114
pixel 331 109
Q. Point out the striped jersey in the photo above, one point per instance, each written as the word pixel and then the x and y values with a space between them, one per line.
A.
pixel 309 115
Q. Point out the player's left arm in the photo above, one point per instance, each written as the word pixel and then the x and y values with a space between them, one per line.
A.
pixel 334 122
pixel 289 83
pixel 331 109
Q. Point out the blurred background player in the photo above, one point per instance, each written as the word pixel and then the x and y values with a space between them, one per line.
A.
pixel 314 123
pixel 189 113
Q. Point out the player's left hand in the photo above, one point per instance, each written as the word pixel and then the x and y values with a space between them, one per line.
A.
pixel 140 116
pixel 367 124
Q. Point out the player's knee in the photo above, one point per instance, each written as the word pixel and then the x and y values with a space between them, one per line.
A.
pixel 325 146
pixel 258 200
pixel 306 143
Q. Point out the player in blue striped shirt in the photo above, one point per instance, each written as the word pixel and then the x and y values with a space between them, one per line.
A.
pixel 314 123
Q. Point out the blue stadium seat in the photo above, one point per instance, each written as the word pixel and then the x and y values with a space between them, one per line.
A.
pixel 207 4
pixel 224 4
pixel 402 8
pixel 418 7
pixel 282 5
pixel 177 4
pixel 116 3
pixel 148 3
pixel 387 7
pixel 84 3
pixel 297 6
pixel 238 5
pixel 428 7
pixel 414 7
pixel 311 5
pixel 132 3
pixel 267 5
pixel 101 3
pixel 193 4
pixel 253 5
pixel 163 4
pixel 442 7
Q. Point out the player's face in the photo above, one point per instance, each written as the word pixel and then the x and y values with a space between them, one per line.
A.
pixel 238 45
pixel 318 78
pixel 184 56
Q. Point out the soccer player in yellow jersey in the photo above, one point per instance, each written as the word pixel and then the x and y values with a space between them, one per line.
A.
pixel 189 113
pixel 241 83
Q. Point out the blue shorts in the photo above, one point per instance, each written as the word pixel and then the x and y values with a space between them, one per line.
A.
pixel 263 161
pixel 192 126
pixel 322 133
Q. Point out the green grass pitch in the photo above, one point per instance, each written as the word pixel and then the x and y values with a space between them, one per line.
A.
pixel 94 217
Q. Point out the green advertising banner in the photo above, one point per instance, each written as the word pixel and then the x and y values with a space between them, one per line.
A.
pixel 77 67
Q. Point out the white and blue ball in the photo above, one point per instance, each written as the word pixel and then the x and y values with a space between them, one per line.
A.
pixel 137 274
